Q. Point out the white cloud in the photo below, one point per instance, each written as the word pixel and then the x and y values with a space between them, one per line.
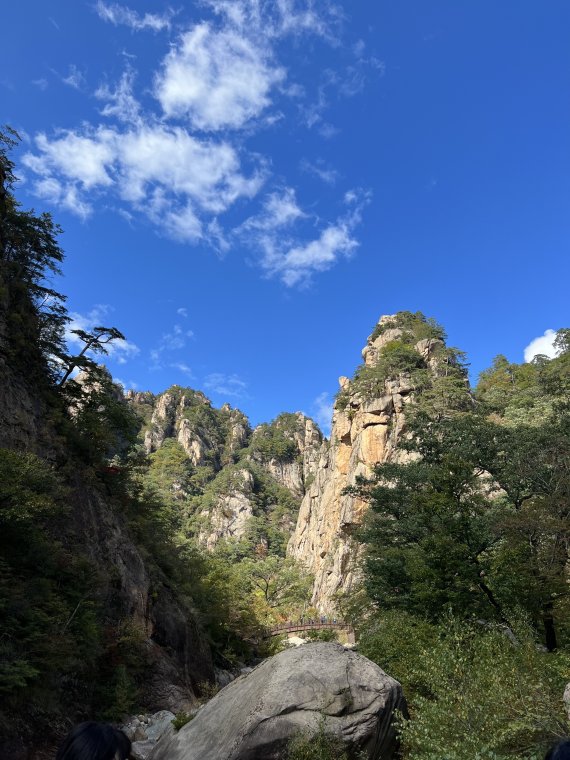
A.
pixel 278 18
pixel 296 265
pixel 220 74
pixel 216 78
pixel 120 101
pixel 182 311
pixel 182 367
pixel 175 340
pixel 280 209
pixel 323 407
pixel 288 256
pixel 75 78
pixel 41 83
pixel 165 173
pixel 118 350
pixel 117 14
pixel 79 159
pixel 319 169
pixel 66 196
pixel 226 385
pixel 126 384
pixel 544 344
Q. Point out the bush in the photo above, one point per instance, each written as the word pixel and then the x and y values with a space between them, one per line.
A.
pixel 416 325
pixel 181 719
pixel 317 746
pixel 396 358
pixel 326 634
pixel 471 691
pixel 270 442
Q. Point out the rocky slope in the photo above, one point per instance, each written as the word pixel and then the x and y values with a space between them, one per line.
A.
pixel 238 477
pixel 369 421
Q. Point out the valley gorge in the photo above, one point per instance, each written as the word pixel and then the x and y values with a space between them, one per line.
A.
pixel 152 543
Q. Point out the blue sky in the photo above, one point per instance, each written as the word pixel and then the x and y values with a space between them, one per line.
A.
pixel 245 187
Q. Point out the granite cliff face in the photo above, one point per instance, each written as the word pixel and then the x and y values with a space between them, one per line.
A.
pixel 242 475
pixel 367 426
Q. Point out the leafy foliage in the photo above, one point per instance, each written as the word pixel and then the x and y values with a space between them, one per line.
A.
pixel 464 540
pixel 441 384
pixel 415 324
pixel 471 690
pixel 317 746
pixel 276 440
pixel 47 592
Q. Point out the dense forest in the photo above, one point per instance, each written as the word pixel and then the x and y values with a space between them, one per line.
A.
pixel 463 592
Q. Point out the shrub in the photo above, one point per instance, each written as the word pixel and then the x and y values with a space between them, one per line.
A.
pixel 326 634
pixel 316 746
pixel 472 692
pixel 180 720
pixel 416 325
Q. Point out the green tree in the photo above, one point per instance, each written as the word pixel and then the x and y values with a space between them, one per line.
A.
pixel 95 342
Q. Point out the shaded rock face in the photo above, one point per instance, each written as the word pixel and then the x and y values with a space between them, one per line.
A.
pixel 256 716
pixel 294 472
pixel 179 657
pixel 365 432
pixel 21 408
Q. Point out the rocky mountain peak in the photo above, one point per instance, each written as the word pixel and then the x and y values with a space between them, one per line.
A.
pixel 369 421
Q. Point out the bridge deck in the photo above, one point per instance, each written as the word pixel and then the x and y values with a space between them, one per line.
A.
pixel 300 627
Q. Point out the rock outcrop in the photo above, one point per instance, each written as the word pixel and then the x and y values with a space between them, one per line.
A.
pixel 295 468
pixel 229 516
pixel 366 430
pixel 241 473
pixel 257 715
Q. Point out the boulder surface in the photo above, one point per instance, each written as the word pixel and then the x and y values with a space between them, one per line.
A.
pixel 255 716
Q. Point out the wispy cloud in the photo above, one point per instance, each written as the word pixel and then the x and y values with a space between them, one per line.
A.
pixel 41 83
pixel 323 411
pixel 126 384
pixel 117 14
pixel 120 101
pixel 544 344
pixel 184 368
pixel 280 209
pixel 74 78
pixel 282 17
pixel 226 385
pixel 174 340
pixel 286 253
pixel 118 350
pixel 182 311
pixel 178 160
pixel 320 170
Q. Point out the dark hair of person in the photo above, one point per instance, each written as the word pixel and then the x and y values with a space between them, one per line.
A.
pixel 560 751
pixel 94 741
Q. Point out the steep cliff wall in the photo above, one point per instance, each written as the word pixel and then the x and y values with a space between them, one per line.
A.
pixel 369 421
pixel 125 586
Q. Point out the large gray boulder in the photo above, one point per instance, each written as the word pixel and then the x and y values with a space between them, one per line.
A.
pixel 255 716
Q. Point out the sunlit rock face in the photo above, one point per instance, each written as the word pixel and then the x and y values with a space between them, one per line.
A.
pixel 365 432
pixel 221 444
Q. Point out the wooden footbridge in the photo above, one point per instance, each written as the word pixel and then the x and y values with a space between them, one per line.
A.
pixel 312 625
